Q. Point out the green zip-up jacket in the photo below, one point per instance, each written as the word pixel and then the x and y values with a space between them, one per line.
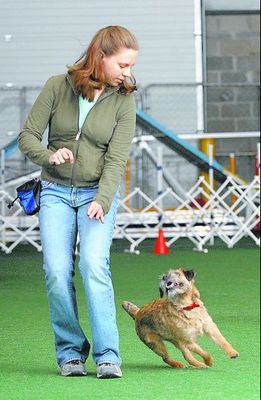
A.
pixel 100 148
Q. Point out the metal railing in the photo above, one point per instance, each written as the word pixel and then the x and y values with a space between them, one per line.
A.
pixel 174 104
pixel 232 105
pixel 230 213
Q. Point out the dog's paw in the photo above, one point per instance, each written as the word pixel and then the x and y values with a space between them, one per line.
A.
pixel 198 364
pixel 202 366
pixel 234 356
pixel 178 364
pixel 209 360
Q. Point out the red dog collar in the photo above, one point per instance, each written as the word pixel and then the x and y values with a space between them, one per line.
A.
pixel 191 306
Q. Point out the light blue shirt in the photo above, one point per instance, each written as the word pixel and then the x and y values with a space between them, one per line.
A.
pixel 84 106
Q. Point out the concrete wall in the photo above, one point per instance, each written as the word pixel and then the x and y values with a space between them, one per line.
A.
pixel 232 5
pixel 233 54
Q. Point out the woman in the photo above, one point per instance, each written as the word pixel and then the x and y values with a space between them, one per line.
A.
pixel 90 113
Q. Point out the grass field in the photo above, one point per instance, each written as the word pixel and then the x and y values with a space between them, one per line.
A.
pixel 229 285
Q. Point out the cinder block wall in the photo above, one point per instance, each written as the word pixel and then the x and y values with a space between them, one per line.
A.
pixel 233 53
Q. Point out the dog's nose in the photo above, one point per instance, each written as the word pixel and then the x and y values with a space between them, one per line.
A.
pixel 169 283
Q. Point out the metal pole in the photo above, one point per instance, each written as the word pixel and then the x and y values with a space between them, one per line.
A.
pixel 168 177
pixel 198 64
pixel 204 64
pixel 211 171
pixel 3 210
pixel 127 180
pixel 257 171
pixel 2 167
pixel 232 169
pixel 207 145
pixel 211 182
pixel 159 174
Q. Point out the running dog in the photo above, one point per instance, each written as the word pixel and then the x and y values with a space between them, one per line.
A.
pixel 180 318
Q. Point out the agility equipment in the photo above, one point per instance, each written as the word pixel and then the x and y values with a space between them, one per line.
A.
pixel 184 148
pixel 160 245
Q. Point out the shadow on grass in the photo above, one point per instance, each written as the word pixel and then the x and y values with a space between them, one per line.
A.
pixel 130 369
pixel 35 370
pixel 149 367
pixel 143 367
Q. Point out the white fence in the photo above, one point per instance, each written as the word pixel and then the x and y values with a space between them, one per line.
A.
pixel 229 212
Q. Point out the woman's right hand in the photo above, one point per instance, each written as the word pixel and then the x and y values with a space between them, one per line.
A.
pixel 61 156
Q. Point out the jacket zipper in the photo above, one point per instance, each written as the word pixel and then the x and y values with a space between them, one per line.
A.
pixel 78 135
pixel 77 144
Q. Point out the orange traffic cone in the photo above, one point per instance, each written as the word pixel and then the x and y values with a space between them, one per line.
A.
pixel 160 245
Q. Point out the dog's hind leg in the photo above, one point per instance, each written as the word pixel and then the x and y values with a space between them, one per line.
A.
pixel 207 357
pixel 184 348
pixel 214 333
pixel 154 342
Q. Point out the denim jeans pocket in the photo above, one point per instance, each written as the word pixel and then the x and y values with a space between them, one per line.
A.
pixel 47 184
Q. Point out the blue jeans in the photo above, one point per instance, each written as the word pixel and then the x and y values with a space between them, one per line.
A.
pixel 62 216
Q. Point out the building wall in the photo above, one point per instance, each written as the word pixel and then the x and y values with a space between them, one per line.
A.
pixel 232 5
pixel 233 63
pixel 233 53
pixel 39 39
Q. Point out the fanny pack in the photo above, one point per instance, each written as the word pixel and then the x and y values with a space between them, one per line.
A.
pixel 28 195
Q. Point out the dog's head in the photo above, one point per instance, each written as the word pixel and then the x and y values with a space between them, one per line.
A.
pixel 176 282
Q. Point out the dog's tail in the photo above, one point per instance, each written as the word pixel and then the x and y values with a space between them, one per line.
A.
pixel 131 308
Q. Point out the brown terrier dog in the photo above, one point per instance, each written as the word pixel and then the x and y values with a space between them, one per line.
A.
pixel 179 318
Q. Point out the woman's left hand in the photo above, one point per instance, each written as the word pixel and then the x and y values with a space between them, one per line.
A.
pixel 95 211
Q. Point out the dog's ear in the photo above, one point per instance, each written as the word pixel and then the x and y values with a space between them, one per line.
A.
pixel 163 278
pixel 189 274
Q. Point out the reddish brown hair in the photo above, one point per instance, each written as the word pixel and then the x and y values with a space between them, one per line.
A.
pixel 87 73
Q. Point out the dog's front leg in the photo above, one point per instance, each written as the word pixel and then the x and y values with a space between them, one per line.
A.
pixel 207 357
pixel 184 348
pixel 214 333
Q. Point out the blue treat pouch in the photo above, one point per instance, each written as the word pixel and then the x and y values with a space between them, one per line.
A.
pixel 28 195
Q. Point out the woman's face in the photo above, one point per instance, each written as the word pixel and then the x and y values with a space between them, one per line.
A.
pixel 118 66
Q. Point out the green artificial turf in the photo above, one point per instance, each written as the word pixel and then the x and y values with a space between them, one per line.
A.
pixel 229 285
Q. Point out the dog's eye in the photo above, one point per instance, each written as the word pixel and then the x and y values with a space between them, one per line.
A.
pixel 181 284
